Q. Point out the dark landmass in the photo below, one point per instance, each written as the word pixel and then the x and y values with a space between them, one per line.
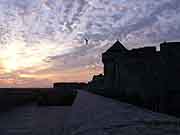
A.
pixel 13 97
pixel 56 97
pixel 70 85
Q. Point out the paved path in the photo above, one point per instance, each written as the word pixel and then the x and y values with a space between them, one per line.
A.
pixel 89 115
pixel 33 120
pixel 97 115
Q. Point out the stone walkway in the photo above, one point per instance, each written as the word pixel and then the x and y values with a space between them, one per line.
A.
pixel 97 115
pixel 90 115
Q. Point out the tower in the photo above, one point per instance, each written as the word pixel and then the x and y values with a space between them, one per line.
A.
pixel 111 69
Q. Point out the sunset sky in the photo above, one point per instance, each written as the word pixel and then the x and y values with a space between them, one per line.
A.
pixel 42 41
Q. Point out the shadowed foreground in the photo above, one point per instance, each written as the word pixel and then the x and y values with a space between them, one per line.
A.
pixel 89 115
pixel 33 120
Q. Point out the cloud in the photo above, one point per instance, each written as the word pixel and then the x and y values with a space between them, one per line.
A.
pixel 50 33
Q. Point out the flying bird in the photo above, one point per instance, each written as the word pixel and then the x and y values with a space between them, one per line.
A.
pixel 86 41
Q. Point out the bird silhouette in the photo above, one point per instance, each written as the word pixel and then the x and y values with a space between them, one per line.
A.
pixel 86 41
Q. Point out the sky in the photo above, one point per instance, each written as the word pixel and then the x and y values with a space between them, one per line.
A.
pixel 42 41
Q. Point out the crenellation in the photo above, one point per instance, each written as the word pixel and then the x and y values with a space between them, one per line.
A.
pixel 144 74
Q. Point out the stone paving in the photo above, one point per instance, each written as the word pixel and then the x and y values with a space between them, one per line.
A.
pixel 96 115
pixel 90 115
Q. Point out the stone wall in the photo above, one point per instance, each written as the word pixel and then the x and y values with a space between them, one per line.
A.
pixel 143 74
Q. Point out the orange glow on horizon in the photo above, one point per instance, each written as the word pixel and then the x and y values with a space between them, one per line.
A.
pixel 25 66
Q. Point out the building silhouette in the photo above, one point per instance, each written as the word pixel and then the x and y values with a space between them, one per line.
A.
pixel 144 76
